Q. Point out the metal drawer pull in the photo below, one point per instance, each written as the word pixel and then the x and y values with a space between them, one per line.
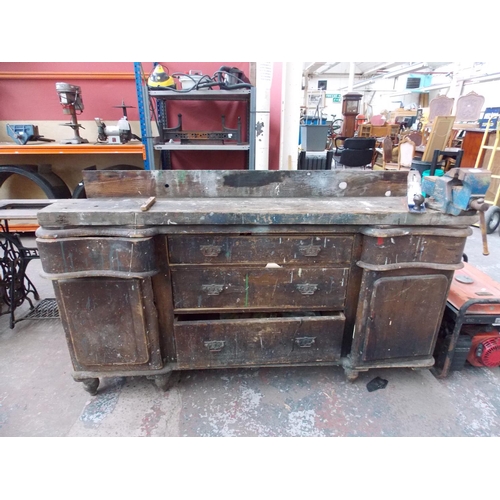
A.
pixel 306 288
pixel 310 250
pixel 305 341
pixel 212 289
pixel 215 345
pixel 210 250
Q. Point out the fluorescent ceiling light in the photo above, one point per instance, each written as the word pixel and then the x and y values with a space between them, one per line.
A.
pixel 326 67
pixel 484 78
pixel 313 67
pixel 363 83
pixel 406 92
pixel 381 66
pixel 435 87
pixel 405 70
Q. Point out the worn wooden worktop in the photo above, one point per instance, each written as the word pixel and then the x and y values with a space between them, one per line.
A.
pixel 247 211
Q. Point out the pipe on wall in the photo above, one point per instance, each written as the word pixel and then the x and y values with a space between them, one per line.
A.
pixel 55 75
pixel 290 115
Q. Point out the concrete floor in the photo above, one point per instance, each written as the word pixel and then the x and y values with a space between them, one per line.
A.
pixel 38 396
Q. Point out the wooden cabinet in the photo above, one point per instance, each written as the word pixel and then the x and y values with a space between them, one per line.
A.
pixel 249 269
pixel 104 334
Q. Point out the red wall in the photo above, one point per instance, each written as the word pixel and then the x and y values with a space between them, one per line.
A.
pixel 36 99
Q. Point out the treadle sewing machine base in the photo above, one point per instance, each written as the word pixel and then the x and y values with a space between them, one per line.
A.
pixel 15 285
pixel 247 269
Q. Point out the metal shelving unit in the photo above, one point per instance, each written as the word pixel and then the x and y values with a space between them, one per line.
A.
pixel 145 96
pixel 144 116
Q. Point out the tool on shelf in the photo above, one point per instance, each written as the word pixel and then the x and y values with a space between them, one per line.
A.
pixel 21 134
pixel 226 78
pixel 70 97
pixel 116 134
pixel 160 79
pixel 196 137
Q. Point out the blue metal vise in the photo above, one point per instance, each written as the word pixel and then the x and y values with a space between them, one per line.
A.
pixel 456 190
pixel 24 133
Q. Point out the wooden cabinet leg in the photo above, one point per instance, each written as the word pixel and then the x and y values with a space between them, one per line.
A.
pixel 90 385
pixel 351 375
pixel 163 381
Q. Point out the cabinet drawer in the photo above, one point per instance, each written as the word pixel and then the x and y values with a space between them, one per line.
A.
pixel 241 342
pixel 310 250
pixel 259 288
pixel 94 256
pixel 396 250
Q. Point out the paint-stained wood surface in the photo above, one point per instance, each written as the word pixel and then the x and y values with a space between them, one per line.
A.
pixel 246 184
pixel 279 250
pixel 403 317
pixel 247 342
pixel 258 288
pixel 411 248
pixel 121 212
pixel 110 323
pixel 118 257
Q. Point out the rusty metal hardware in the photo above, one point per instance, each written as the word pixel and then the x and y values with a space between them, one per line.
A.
pixel 305 341
pixel 306 288
pixel 215 345
pixel 310 250
pixel 212 289
pixel 210 250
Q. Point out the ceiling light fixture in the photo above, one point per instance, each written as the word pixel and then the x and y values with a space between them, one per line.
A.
pixel 484 78
pixel 405 70
pixel 363 83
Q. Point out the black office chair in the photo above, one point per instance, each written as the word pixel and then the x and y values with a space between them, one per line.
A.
pixel 354 152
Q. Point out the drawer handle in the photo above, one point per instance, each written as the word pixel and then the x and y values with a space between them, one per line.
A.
pixel 305 341
pixel 307 288
pixel 215 345
pixel 212 289
pixel 210 250
pixel 310 250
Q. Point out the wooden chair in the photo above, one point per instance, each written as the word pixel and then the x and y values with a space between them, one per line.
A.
pixel 439 106
pixel 439 136
pixel 469 107
pixel 406 152
pixel 416 137
pixel 387 154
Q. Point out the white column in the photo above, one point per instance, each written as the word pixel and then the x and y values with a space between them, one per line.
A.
pixel 350 83
pixel 291 100
pixel 264 76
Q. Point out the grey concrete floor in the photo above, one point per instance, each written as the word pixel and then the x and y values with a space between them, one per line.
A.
pixel 38 396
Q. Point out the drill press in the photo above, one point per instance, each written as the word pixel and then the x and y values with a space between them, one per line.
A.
pixel 70 97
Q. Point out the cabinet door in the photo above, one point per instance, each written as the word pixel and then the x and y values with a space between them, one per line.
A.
pixel 109 323
pixel 403 317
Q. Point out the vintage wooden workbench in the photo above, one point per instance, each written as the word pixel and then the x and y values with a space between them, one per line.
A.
pixel 247 268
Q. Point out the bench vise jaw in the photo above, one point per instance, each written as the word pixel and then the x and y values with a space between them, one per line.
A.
pixel 457 191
